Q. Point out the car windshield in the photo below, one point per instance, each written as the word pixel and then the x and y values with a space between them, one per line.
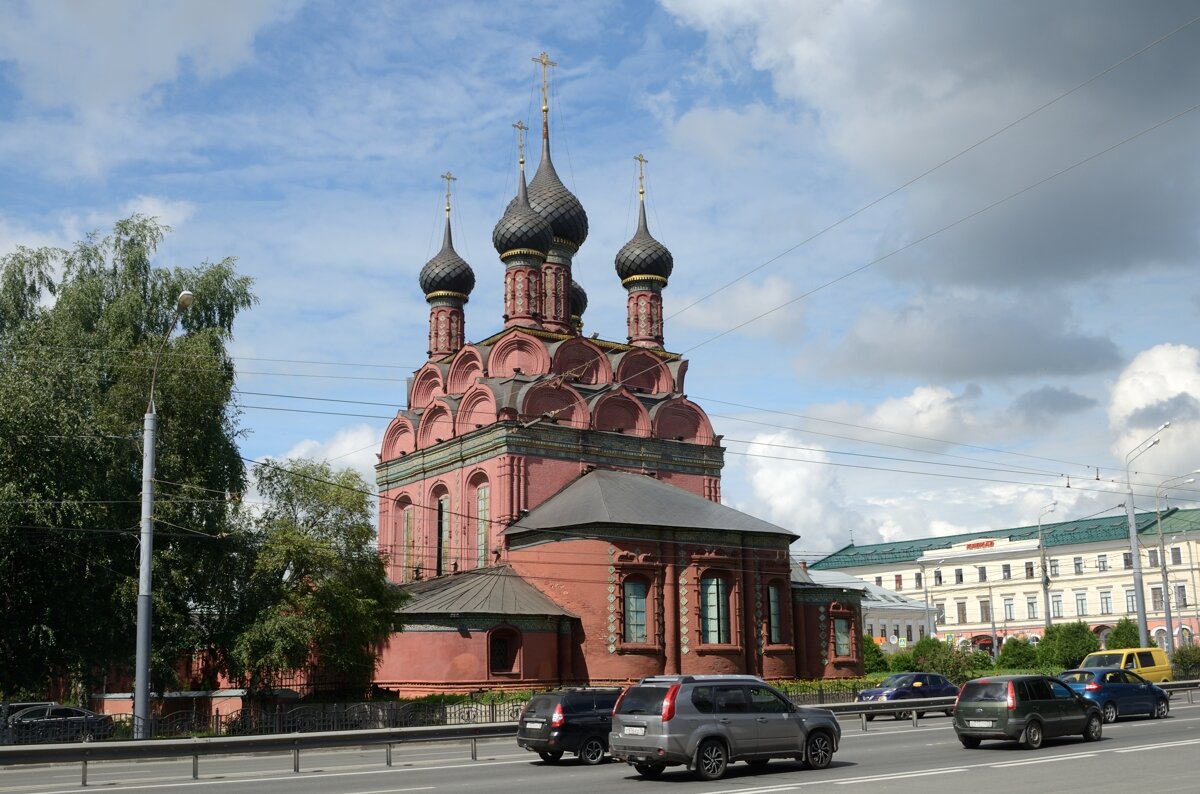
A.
pixel 985 690
pixel 1076 676
pixel 896 681
pixel 643 700
pixel 1104 660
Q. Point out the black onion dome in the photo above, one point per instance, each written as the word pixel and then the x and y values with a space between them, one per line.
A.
pixel 643 255
pixel 521 228
pixel 447 271
pixel 550 198
pixel 578 299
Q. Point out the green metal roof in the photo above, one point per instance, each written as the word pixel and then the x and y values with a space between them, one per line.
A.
pixel 1066 533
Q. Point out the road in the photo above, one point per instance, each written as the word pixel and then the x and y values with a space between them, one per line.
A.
pixel 1138 754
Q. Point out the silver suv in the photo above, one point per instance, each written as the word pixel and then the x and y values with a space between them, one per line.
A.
pixel 708 721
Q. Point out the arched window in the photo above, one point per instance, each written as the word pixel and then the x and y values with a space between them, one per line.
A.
pixel 408 557
pixel 504 647
pixel 635 592
pixel 483 522
pixel 441 528
pixel 776 614
pixel 714 609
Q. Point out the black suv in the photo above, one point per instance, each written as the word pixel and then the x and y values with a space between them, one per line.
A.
pixel 568 721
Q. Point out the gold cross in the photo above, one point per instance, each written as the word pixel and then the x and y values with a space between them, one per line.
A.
pixel 449 177
pixel 641 174
pixel 521 130
pixel 546 63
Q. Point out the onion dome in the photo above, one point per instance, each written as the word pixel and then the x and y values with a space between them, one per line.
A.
pixel 578 299
pixel 550 198
pixel 447 271
pixel 643 255
pixel 521 230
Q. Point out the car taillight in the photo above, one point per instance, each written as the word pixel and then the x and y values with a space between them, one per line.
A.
pixel 1012 697
pixel 617 705
pixel 557 719
pixel 1092 687
pixel 668 709
pixel 957 697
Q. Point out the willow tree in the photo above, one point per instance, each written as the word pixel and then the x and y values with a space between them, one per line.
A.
pixel 79 330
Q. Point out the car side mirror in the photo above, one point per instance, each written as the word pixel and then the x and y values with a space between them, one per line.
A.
pixel 917 684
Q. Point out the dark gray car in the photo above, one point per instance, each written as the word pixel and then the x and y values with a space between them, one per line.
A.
pixel 706 722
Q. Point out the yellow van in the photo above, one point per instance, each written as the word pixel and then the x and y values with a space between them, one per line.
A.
pixel 1150 663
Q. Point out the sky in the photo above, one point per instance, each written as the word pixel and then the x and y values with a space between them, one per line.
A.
pixel 935 262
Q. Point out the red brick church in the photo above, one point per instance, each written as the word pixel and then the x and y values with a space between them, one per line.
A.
pixel 551 501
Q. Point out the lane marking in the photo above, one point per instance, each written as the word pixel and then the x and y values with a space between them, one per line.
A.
pixel 1051 760
pixel 898 776
pixel 1158 746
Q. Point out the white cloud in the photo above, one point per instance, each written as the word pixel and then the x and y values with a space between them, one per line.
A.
pixel 351 447
pixel 929 411
pixel 739 304
pixel 172 213
pixel 1161 384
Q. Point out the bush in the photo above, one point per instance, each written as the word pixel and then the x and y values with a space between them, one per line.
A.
pixel 935 656
pixel 1185 662
pixel 1124 635
pixel 1017 654
pixel 902 662
pixel 874 659
pixel 1065 645
pixel 980 660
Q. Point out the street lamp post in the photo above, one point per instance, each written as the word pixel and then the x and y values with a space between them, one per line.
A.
pixel 1138 585
pixel 1172 482
pixel 141 672
pixel 1045 572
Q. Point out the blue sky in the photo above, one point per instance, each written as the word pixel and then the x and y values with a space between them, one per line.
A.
pixel 1028 311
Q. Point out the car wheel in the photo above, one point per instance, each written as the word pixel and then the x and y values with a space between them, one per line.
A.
pixel 818 750
pixel 649 770
pixel 1110 712
pixel 551 757
pixel 86 736
pixel 591 752
pixel 711 760
pixel 1031 739
pixel 904 715
pixel 949 712
pixel 870 717
pixel 1161 709
pixel 1094 728
pixel 969 742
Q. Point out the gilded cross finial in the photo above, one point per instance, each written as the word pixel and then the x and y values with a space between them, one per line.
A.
pixel 449 177
pixel 521 130
pixel 546 63
pixel 641 161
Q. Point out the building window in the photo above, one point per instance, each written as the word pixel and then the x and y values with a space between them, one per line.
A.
pixel 1106 603
pixel 1102 562
pixel 775 597
pixel 1081 604
pixel 503 648
pixel 918 582
pixel 841 637
pixel 1056 605
pixel 982 571
pixel 958 575
pixel 940 608
pixel 908 632
pixel 1181 596
pixel 921 631
pixel 1029 570
pixel 1127 560
pixel 1130 601
pixel 1177 556
pixel 634 593
pixel 883 631
pixel 879 581
pixel 483 523
pixel 714 610
pixel 409 562
pixel 1031 609
pixel 870 629
pixel 937 578
pixel 1010 609
pixel 1156 598
pixel 985 611
pixel 962 611
pixel 1153 555
pixel 1054 567
pixel 899 582
pixel 1005 571
pixel 443 534
pixel 1078 565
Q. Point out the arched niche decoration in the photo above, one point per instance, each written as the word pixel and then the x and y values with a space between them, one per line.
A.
pixel 465 369
pixel 582 360
pixel 644 372
pixel 518 351
pixel 477 409
pixel 558 402
pixel 437 424
pixel 400 439
pixel 427 385
pixel 619 411
pixel 682 420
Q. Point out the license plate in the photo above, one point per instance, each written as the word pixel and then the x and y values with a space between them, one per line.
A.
pixel 979 723
pixel 534 725
pixel 635 730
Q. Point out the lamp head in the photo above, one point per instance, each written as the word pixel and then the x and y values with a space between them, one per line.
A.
pixel 185 300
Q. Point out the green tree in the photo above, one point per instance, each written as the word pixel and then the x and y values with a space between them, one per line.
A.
pixel 1124 635
pixel 902 662
pixel 1185 662
pixel 79 330
pixel 1017 654
pixel 1065 645
pixel 934 656
pixel 874 659
pixel 317 595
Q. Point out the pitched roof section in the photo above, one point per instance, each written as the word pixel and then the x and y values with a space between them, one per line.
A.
pixel 497 590
pixel 1067 533
pixel 874 596
pixel 604 497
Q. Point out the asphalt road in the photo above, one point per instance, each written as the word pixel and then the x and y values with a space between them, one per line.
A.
pixel 1135 755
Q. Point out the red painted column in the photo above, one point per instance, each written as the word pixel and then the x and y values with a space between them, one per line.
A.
pixel 670 612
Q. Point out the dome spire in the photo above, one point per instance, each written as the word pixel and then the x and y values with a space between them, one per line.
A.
pixel 644 265
pixel 447 240
pixel 544 60
pixel 447 281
